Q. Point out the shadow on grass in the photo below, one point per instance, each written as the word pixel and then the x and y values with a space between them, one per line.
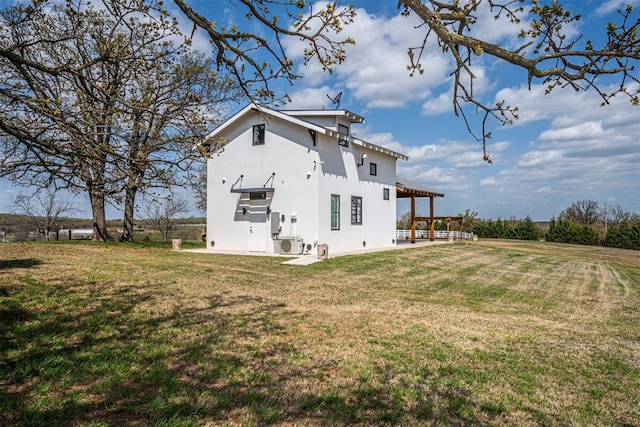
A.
pixel 19 263
pixel 122 356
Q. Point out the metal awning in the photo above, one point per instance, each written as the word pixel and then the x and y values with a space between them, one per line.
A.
pixel 253 190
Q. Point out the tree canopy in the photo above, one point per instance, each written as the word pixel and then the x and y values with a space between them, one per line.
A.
pixel 102 100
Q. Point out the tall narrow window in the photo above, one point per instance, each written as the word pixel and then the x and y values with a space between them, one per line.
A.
pixel 385 194
pixel 356 210
pixel 335 212
pixel 343 135
pixel 373 169
pixel 258 135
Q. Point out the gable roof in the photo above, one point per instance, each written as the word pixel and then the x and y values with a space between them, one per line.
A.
pixel 292 116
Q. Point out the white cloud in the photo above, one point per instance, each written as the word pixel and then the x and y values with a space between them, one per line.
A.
pixel 500 30
pixel 545 190
pixel 310 98
pixel 443 103
pixel 588 130
pixel 609 6
pixel 492 181
pixel 375 71
pixel 539 158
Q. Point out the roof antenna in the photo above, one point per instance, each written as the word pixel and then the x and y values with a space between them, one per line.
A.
pixel 336 99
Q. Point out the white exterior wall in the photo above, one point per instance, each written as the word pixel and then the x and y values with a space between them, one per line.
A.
pixel 378 215
pixel 288 151
pixel 294 193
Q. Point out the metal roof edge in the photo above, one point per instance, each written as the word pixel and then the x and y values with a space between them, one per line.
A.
pixel 412 186
pixel 378 148
pixel 353 117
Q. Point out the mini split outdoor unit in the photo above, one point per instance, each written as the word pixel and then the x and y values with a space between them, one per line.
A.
pixel 289 245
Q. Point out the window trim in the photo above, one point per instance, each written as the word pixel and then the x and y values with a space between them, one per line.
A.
pixel 335 214
pixel 258 135
pixel 356 210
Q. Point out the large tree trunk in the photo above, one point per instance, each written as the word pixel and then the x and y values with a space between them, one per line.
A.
pixel 100 232
pixel 129 205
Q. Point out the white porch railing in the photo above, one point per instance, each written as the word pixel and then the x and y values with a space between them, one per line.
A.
pixel 438 234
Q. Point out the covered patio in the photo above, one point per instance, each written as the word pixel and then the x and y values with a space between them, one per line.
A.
pixel 407 189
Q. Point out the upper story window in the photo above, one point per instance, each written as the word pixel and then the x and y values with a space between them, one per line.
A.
pixel 258 135
pixel 373 169
pixel 343 135
pixel 385 194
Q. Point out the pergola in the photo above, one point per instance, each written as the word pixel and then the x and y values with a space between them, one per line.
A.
pixel 406 189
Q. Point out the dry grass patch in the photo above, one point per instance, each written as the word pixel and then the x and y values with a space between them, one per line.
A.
pixel 495 333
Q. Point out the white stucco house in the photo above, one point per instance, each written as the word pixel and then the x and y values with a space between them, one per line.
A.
pixel 285 181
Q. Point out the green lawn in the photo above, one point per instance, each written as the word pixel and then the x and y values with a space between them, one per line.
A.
pixel 486 333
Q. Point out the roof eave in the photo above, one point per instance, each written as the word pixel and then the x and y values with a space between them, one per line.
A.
pixel 379 149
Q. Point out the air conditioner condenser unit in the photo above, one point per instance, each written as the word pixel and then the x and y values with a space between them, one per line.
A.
pixel 290 245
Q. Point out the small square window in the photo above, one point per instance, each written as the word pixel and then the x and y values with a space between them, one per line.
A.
pixel 385 194
pixel 258 135
pixel 373 169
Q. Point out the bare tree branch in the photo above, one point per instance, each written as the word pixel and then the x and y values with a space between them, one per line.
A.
pixel 238 51
pixel 545 52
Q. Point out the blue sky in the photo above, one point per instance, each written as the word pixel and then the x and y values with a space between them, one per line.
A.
pixel 564 148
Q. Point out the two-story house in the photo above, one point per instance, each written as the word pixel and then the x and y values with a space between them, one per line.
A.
pixel 286 181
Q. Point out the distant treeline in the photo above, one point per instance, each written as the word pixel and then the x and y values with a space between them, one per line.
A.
pixel 524 229
pixel 585 222
pixel 16 222
pixel 624 235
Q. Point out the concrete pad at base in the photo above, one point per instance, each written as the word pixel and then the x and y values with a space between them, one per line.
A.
pixel 303 260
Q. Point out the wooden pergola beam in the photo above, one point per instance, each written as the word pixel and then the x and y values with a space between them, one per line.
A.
pixel 413 219
pixel 432 227
pixel 405 189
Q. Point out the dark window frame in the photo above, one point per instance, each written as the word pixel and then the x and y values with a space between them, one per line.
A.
pixel 335 213
pixel 343 135
pixel 385 194
pixel 356 210
pixel 373 169
pixel 258 135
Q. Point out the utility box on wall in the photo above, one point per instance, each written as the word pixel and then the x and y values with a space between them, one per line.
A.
pixel 275 223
